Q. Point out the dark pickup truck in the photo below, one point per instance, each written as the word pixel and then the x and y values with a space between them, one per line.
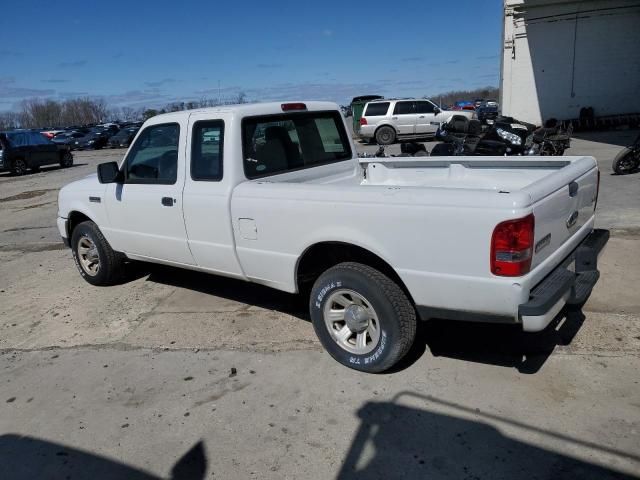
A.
pixel 29 150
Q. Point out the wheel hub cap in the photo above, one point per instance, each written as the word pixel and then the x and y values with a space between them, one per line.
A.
pixel 356 318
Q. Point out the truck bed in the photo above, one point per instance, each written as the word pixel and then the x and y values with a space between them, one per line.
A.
pixel 498 175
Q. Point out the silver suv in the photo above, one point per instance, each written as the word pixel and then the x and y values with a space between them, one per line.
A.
pixel 388 120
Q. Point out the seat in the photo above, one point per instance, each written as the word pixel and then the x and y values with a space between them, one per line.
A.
pixel 279 151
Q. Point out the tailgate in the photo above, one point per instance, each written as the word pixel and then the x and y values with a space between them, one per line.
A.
pixel 561 214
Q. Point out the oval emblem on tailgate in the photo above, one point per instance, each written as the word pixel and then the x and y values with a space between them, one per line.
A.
pixel 573 218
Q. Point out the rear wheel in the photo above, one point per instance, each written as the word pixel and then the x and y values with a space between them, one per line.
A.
pixel 385 135
pixel 362 317
pixel 19 167
pixel 626 161
pixel 67 160
pixel 97 263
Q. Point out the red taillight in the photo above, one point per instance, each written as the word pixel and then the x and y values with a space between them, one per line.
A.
pixel 512 247
pixel 363 121
pixel 287 107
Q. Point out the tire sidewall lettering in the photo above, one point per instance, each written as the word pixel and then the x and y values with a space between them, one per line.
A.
pixel 328 287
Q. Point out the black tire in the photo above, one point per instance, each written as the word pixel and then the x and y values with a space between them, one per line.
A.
pixel 626 162
pixel 67 160
pixel 385 135
pixel 396 316
pixel 110 263
pixel 19 167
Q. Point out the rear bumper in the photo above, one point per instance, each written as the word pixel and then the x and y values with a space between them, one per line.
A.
pixel 367 131
pixel 566 284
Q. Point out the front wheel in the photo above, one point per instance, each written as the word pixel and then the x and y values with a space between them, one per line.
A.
pixel 362 317
pixel 97 263
pixel 626 162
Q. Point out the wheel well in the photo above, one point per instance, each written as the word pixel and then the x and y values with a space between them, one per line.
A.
pixel 322 256
pixel 385 125
pixel 75 218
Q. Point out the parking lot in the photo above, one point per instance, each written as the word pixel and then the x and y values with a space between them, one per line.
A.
pixel 176 363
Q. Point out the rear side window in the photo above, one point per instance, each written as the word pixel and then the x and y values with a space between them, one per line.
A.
pixel 154 157
pixel 281 143
pixel 376 109
pixel 403 108
pixel 206 150
pixel 18 139
pixel 36 138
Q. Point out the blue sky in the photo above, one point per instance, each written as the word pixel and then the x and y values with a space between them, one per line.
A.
pixel 143 53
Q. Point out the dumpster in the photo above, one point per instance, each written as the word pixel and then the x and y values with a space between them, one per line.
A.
pixel 357 106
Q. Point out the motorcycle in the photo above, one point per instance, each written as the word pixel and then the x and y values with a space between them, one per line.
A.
pixel 505 137
pixel 628 159
pixel 552 139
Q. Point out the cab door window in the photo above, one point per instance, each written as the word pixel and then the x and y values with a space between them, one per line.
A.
pixel 153 159
pixel 424 107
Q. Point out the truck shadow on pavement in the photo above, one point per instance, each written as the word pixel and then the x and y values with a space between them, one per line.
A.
pixel 495 344
pixel 28 458
pixel 446 440
pixel 228 288
pixel 503 345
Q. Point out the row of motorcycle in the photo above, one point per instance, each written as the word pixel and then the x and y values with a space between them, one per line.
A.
pixel 507 136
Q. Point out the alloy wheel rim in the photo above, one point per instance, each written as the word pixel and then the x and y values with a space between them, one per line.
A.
pixel 352 321
pixel 88 256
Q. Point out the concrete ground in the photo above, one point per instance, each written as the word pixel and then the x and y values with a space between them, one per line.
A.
pixel 182 375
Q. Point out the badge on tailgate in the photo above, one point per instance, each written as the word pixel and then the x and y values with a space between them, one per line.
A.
pixel 573 218
pixel 545 241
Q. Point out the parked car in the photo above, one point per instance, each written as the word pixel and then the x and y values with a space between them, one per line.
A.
pixel 51 132
pixel 464 105
pixel 378 243
pixel 110 129
pixel 487 113
pixel 386 121
pixel 67 138
pixel 123 138
pixel 29 150
pixel 93 140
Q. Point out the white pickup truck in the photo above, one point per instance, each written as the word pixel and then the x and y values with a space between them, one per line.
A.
pixel 275 194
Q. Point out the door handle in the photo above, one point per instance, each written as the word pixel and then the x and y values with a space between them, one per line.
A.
pixel 394 118
pixel 167 201
pixel 421 116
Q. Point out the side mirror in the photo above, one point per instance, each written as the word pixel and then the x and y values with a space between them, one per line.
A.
pixel 436 111
pixel 109 172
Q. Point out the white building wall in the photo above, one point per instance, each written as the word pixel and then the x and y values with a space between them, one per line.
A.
pixel 562 55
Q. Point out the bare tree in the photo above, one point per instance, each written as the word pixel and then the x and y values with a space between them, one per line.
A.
pixel 448 98
pixel 9 120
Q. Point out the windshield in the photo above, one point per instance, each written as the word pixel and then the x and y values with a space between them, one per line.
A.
pixel 281 143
